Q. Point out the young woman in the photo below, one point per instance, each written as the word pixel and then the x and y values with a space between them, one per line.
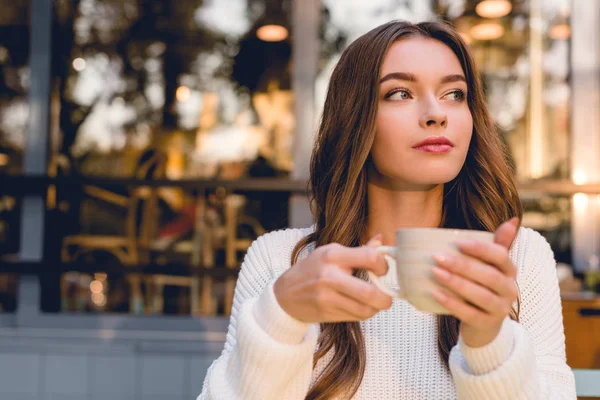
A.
pixel 405 141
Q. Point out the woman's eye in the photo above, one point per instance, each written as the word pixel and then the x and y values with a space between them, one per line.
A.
pixel 456 95
pixel 399 95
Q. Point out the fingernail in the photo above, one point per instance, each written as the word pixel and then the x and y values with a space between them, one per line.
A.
pixel 443 259
pixel 378 237
pixel 442 273
pixel 439 295
pixel 465 243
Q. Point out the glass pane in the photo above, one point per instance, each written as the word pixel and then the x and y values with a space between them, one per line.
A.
pixel 522 50
pixel 197 81
pixel 551 216
pixel 175 241
pixel 14 117
pixel 163 89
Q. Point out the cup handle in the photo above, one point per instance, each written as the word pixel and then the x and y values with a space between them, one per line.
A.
pixel 391 252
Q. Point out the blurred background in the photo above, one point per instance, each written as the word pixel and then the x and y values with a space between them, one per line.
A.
pixel 144 144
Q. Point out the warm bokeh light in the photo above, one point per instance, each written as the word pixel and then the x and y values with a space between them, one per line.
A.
pixel 3 159
pixel 560 32
pixel 79 64
pixel 487 31
pixel 272 33
pixel 580 200
pixel 579 177
pixel 96 287
pixel 99 299
pixel 183 94
pixel 493 8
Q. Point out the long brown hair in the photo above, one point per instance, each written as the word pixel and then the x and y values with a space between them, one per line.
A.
pixel 482 196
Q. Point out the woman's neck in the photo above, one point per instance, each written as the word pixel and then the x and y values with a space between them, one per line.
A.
pixel 393 208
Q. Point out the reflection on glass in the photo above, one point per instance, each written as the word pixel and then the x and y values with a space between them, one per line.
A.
pixel 163 89
pixel 551 216
pixel 522 50
pixel 191 79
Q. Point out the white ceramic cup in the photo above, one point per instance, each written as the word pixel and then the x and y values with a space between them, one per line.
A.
pixel 412 262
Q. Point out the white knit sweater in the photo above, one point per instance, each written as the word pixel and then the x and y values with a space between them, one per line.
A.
pixel 269 355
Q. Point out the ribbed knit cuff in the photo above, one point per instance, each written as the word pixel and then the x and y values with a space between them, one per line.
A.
pixel 515 378
pixel 275 321
pixel 261 367
pixel 485 359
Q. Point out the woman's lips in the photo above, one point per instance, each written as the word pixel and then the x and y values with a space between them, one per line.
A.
pixel 435 144
pixel 435 148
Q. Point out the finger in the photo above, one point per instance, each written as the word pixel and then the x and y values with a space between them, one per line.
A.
pixel 471 292
pixel 489 253
pixel 348 309
pixel 458 308
pixel 480 273
pixel 354 257
pixel 507 232
pixel 359 290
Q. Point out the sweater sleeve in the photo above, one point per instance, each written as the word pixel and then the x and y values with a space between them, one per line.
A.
pixel 527 360
pixel 267 352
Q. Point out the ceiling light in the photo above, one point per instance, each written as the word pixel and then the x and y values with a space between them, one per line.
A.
pixel 79 64
pixel 272 33
pixel 96 287
pixel 487 31
pixel 183 94
pixel 493 8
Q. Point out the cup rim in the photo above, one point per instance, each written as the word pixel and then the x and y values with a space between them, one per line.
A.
pixel 441 229
pixel 445 231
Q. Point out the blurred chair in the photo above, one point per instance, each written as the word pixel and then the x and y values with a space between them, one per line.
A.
pixel 140 225
pixel 213 238
pixel 233 244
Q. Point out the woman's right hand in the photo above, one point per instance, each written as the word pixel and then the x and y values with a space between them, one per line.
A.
pixel 321 288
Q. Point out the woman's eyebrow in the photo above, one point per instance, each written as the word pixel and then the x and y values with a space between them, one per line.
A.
pixel 453 78
pixel 407 76
pixel 399 76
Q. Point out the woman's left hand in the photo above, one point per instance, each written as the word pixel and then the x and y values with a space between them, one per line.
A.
pixel 486 282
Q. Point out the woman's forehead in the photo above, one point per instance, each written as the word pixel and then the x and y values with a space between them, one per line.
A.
pixel 422 57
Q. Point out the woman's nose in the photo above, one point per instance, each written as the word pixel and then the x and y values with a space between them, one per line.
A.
pixel 434 116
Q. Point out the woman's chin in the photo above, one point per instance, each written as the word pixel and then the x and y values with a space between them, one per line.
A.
pixel 433 177
pixel 418 179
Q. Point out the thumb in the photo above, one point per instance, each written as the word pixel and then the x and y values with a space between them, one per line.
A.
pixel 382 265
pixel 375 241
pixel 507 232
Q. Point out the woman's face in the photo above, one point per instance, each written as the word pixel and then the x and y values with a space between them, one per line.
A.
pixel 424 124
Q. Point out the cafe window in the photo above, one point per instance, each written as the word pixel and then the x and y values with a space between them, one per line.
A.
pixel 177 91
pixel 206 83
